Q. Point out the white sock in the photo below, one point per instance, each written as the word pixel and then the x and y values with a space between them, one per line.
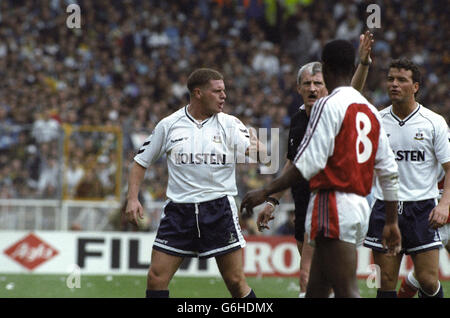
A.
pixel 413 281
pixel 301 295
pixel 434 294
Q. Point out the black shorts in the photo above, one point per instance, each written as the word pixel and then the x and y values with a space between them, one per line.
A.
pixel 417 235
pixel 203 230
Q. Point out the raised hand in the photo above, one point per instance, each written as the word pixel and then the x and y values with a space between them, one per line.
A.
pixel 365 47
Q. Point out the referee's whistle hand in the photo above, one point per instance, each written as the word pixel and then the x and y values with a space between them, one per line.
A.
pixel 264 217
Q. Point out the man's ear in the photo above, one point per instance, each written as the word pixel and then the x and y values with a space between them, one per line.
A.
pixel 197 92
pixel 416 87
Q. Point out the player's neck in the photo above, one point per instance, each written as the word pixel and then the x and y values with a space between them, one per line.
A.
pixel 404 109
pixel 333 83
pixel 195 111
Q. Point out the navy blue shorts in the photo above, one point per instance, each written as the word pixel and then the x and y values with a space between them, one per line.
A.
pixel 417 235
pixel 203 230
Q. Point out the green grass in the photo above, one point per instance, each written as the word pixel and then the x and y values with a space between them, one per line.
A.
pixel 51 286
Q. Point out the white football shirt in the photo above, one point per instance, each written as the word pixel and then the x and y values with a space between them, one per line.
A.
pixel 420 145
pixel 201 157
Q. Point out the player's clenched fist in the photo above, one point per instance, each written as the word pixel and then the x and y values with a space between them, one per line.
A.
pixel 133 211
pixel 391 239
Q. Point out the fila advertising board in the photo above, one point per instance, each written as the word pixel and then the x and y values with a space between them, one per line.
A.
pixel 129 253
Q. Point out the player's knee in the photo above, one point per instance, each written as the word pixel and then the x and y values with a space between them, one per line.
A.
pixel 428 281
pixel 156 279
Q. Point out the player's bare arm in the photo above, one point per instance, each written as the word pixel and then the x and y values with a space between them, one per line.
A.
pixel 439 215
pixel 266 214
pixel 365 46
pixel 134 208
pixel 253 198
pixel 257 151
pixel 391 238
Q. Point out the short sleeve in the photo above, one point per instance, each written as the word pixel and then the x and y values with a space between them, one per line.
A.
pixel 241 135
pixel 441 144
pixel 153 147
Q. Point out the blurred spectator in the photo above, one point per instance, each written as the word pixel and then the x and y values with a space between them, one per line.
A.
pixel 265 60
pixel 49 181
pixel 90 186
pixel 73 175
pixel 288 227
pixel 45 127
pixel 350 29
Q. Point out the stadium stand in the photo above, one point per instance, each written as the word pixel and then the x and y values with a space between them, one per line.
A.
pixel 127 66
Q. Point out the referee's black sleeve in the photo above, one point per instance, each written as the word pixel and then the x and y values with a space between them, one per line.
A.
pixel 297 130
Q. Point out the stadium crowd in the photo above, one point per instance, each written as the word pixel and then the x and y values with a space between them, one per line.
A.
pixel 128 63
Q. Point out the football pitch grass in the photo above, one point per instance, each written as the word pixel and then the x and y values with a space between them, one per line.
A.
pixel 115 286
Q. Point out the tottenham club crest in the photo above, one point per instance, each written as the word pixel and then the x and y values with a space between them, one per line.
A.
pixel 419 135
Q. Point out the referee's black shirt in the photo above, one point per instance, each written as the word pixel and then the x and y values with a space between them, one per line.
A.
pixel 297 129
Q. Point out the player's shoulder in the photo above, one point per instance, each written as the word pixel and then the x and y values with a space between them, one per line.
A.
pixel 228 120
pixel 323 103
pixel 341 95
pixel 429 114
pixel 386 111
pixel 341 98
pixel 329 104
pixel 171 119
